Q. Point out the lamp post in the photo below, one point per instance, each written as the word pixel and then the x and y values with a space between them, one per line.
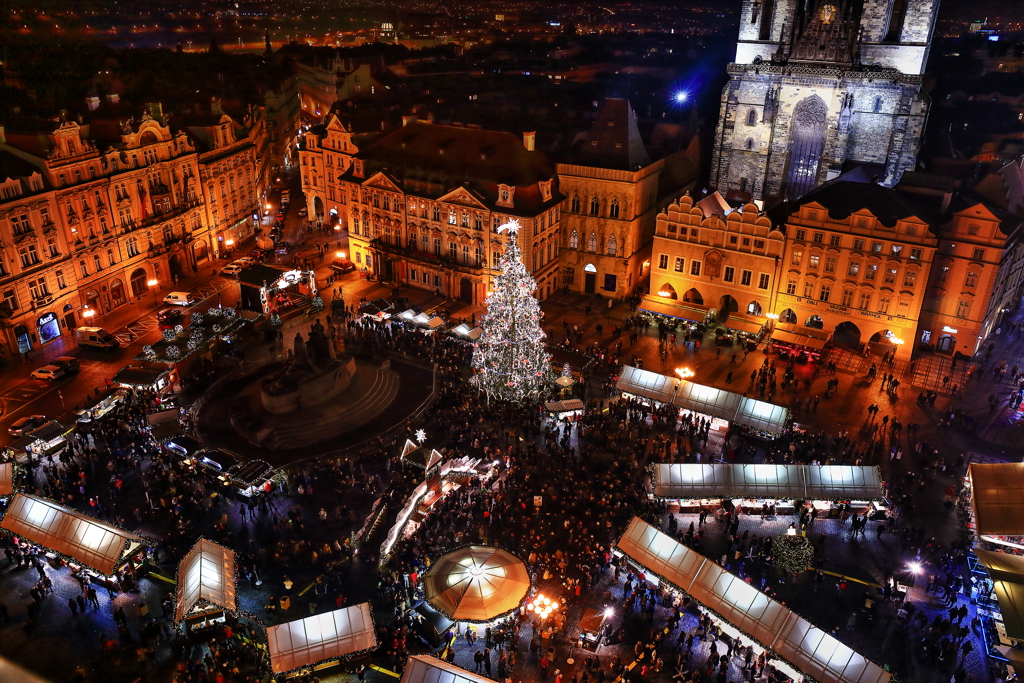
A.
pixel 88 312
pixel 774 317
pixel 152 285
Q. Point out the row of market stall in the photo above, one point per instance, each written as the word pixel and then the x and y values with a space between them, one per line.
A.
pixel 751 486
pixel 723 408
pixel 739 328
pixel 797 646
pixel 380 310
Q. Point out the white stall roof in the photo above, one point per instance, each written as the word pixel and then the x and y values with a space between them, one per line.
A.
pixel 407 314
pixel 206 576
pixel 320 637
pixel 693 480
pixel 1007 572
pixel 421 318
pixel 646 383
pixel 427 669
pixel 805 647
pixel 434 323
pixel 708 400
pixel 760 415
pixel 86 540
pixel 6 478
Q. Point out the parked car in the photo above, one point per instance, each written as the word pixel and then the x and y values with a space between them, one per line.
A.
pixel 168 315
pixel 342 265
pixel 24 425
pixel 68 364
pixel 50 372
pixel 257 255
pixel 180 299
pixel 282 248
pixel 233 268
pixel 303 212
pixel 246 261
pixel 96 337
pixel 279 217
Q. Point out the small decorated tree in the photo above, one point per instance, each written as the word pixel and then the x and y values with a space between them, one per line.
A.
pixel 509 360
pixel 793 554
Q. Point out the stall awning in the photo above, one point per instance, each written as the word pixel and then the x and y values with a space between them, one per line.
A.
pixel 206 576
pixel 427 669
pixel 743 324
pixel 998 498
pixel 6 478
pixel 760 415
pixel 662 306
pixel 463 330
pixel 320 637
pixel 407 315
pixel 646 383
pixel 810 650
pixel 798 340
pixel 1007 572
pixel 563 406
pixel 87 541
pixel 708 400
pixel 802 330
pixel 808 482
pixel 699 398
pixel 137 376
pixel 49 431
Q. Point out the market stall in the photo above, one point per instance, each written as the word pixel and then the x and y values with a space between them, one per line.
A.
pixel 744 328
pixel 592 628
pixel 83 540
pixel 565 410
pixel 153 376
pixel 995 503
pixel 429 669
pixel 418 456
pixel 165 424
pixel 753 485
pixel 476 583
pixel 760 419
pixel 97 409
pixel 321 639
pixel 378 310
pixel 1000 601
pixel 463 332
pixel 206 585
pixel 429 623
pixel 746 613
pixel 682 310
pixel 799 347
pixel 45 440
pixel 646 384
pixel 6 478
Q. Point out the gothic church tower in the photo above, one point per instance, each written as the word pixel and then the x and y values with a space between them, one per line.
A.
pixel 819 83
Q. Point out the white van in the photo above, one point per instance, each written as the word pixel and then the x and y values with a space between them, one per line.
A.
pixel 180 299
pixel 97 337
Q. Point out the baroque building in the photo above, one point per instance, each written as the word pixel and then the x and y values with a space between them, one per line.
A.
pixel 422 202
pixel 613 190
pixel 818 86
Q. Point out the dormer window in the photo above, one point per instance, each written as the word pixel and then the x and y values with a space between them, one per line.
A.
pixel 506 195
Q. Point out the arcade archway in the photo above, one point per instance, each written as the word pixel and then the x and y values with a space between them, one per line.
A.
pixel 667 291
pixel 815 322
pixel 846 334
pixel 693 296
pixel 788 316
pixel 754 308
pixel 727 305
pixel 946 344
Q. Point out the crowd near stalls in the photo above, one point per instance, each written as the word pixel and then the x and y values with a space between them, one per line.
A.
pixel 557 495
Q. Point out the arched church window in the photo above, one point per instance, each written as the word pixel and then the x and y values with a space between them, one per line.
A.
pixel 878 104
pixel 767 15
pixel 613 210
pixel 592 242
pixel 752 117
pixel 750 143
pixel 574 240
pixel 613 246
pixel 594 206
pixel 807 138
pixel 575 203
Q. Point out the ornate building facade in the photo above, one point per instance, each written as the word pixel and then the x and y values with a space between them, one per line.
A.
pixel 819 85
pixel 612 190
pixel 422 202
pixel 94 209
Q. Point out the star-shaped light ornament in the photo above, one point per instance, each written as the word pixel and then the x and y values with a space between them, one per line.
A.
pixel 512 227
pixel 421 435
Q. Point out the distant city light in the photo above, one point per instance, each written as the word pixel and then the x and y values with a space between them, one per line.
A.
pixel 681 97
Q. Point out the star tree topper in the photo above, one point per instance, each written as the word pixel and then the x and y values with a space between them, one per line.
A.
pixel 421 435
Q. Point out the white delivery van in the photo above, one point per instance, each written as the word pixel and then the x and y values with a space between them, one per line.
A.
pixel 97 337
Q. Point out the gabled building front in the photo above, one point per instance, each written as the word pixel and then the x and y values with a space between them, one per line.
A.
pixel 422 203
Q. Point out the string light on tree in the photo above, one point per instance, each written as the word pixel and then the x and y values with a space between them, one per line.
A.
pixel 793 554
pixel 509 361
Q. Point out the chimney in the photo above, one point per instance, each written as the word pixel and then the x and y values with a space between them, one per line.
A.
pixel 92 101
pixel 406 120
pixel 529 140
pixel 113 98
pixel 215 108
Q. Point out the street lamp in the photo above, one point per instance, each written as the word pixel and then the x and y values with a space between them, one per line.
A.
pixel 152 285
pixel 685 373
pixel 339 254
pixel 542 606
pixel 88 312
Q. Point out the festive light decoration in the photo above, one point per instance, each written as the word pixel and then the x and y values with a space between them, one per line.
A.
pixel 169 335
pixel 421 435
pixel 173 352
pixel 793 554
pixel 317 303
pixel 275 320
pixel 213 312
pixel 509 362
pixel 178 329
pixel 148 351
pixel 197 318
pixel 566 370
pixel 229 313
pixel 542 606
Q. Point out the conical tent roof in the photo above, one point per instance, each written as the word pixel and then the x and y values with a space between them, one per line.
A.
pixel 476 583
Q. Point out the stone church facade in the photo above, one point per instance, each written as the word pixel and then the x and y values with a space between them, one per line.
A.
pixel 818 84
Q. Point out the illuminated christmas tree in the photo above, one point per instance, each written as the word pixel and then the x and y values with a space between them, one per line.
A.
pixel 509 362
